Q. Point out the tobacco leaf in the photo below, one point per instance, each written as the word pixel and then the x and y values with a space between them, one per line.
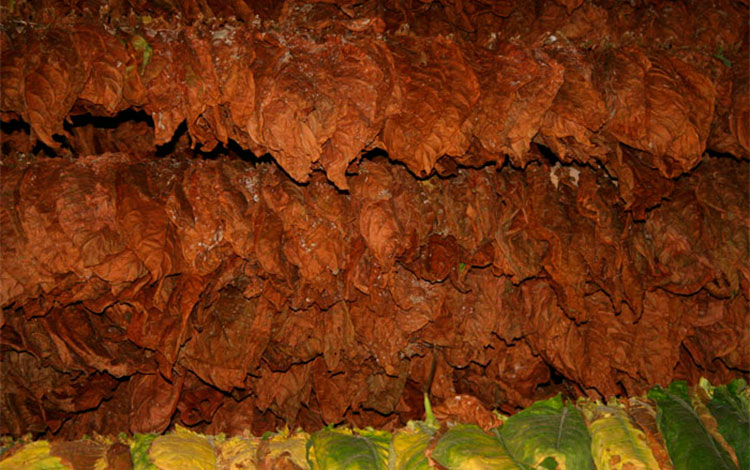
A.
pixel 153 400
pixel 493 277
pixel 616 441
pixel 690 444
pixel 517 88
pixel 229 340
pixel 467 447
pixel 577 113
pixel 439 90
pixel 662 105
pixel 82 454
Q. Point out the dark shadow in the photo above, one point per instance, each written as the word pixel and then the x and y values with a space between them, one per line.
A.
pixel 111 122
pixel 168 149
pixel 14 125
pixel 549 155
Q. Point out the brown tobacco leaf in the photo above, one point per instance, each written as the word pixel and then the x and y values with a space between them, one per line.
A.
pixel 550 330
pixel 232 335
pixel 517 88
pixel 338 337
pixel 150 237
pixel 110 67
pixel 437 259
pixel 380 230
pixel 722 138
pixel 25 382
pixel 160 321
pixel 89 342
pixel 312 224
pixel 676 240
pixel 320 101
pixel 134 288
pixel 12 77
pixel 571 125
pixel 272 300
pixel 466 409
pixel 232 53
pixel 731 345
pixel 283 392
pixel 202 92
pixel 153 400
pixel 180 80
pixel 79 454
pixel 588 24
pixel 198 401
pixel 337 391
pixel 295 338
pixel 661 105
pixel 641 186
pixel 384 390
pixel 50 89
pixel 439 91
pixel 234 417
pixel 370 87
pixel 739 116
pixel 511 377
pixel 13 275
pixel 570 5
pixel 119 457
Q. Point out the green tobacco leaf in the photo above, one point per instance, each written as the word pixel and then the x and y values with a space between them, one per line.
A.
pixel 616 442
pixel 549 430
pixel 690 445
pixel 342 449
pixel 139 451
pixel 466 447
pixel 730 405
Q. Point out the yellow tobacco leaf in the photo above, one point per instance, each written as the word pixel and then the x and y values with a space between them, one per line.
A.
pixel 295 445
pixel 616 442
pixel 184 450
pixel 236 453
pixel 33 456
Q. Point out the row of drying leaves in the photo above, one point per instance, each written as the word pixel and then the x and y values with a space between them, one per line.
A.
pixel 321 98
pixel 676 428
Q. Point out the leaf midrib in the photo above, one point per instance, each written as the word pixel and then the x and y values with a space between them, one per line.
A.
pixel 680 401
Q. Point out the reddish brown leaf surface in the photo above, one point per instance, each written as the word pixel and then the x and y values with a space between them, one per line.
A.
pixel 158 268
pixel 466 409
pixel 79 454
pixel 347 329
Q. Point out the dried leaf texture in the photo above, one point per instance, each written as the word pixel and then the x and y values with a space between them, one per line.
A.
pixel 228 276
pixel 161 270
pixel 316 85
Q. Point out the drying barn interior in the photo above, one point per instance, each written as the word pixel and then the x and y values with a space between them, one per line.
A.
pixel 243 215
